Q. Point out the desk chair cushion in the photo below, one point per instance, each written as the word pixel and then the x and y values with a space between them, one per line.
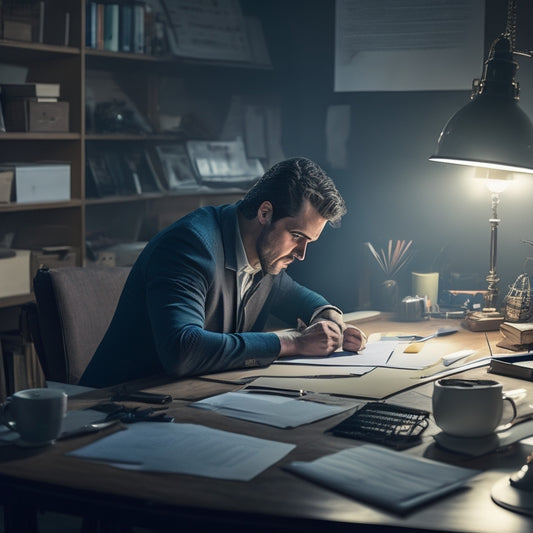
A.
pixel 74 307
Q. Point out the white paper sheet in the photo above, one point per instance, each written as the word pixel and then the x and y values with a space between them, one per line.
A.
pixel 379 353
pixel 389 479
pixel 270 409
pixel 375 354
pixel 186 449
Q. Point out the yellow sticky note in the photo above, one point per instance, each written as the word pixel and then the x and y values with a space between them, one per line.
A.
pixel 414 347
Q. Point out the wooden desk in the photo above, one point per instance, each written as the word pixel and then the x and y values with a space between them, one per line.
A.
pixel 275 500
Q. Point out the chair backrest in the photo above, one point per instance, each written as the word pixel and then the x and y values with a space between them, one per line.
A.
pixel 74 306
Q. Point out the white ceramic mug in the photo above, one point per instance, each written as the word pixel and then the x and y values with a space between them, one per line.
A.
pixel 470 407
pixel 36 415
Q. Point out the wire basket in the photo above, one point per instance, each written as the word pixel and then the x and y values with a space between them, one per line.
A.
pixel 518 300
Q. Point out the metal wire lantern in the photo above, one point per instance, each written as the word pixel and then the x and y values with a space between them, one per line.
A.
pixel 518 300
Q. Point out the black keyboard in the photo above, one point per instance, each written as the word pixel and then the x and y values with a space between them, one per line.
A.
pixel 392 425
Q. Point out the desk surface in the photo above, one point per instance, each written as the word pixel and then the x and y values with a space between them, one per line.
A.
pixel 275 498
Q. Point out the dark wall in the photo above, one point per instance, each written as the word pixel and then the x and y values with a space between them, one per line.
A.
pixel 391 189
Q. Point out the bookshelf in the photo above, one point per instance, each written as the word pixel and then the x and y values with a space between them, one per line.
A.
pixel 209 85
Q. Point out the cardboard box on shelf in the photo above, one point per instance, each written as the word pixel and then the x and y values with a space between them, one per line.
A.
pixel 40 182
pixel 15 274
pixel 28 114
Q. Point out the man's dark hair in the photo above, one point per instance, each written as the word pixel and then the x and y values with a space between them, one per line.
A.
pixel 286 184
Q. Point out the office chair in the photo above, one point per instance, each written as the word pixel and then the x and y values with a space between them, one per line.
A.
pixel 72 311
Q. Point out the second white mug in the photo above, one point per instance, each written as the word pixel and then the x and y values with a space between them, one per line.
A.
pixel 469 407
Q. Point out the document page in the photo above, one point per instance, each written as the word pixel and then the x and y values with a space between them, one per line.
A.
pixel 387 478
pixel 271 409
pixel 186 449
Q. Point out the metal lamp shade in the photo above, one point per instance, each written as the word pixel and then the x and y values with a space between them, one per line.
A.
pixel 490 131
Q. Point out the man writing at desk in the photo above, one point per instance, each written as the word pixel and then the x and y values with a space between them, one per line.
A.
pixel 199 295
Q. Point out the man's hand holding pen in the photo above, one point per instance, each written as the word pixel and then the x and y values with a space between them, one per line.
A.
pixel 320 339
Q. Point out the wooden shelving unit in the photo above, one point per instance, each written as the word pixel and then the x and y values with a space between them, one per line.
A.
pixel 72 66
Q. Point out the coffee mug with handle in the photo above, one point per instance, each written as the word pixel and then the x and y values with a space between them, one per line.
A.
pixel 35 414
pixel 470 407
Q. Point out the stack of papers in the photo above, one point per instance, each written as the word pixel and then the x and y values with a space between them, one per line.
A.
pixel 270 409
pixel 388 479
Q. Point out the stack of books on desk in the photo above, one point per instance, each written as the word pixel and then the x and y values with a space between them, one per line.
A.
pixel 518 336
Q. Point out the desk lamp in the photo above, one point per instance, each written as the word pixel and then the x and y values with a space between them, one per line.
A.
pixel 492 133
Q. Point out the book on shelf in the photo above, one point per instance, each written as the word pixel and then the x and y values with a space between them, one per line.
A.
pixel 125 28
pixel 111 26
pixel 90 24
pixel 517 332
pixel 6 186
pixel 138 28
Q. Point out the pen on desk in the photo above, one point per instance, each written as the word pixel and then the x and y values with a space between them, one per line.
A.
pixel 274 390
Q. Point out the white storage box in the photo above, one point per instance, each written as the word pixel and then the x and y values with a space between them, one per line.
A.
pixel 41 182
pixel 15 274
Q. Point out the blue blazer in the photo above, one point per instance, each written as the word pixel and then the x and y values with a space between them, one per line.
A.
pixel 178 311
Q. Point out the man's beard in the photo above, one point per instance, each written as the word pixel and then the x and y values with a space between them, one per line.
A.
pixel 270 264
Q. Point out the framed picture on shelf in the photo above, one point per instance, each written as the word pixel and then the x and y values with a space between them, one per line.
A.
pixel 100 181
pixel 126 181
pixel 176 166
pixel 142 170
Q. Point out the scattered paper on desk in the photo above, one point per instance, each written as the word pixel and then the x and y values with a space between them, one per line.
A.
pixel 386 478
pixel 186 449
pixel 379 353
pixel 375 354
pixel 271 409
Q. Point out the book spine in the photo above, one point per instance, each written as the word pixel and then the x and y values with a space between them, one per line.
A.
pixel 138 28
pixel 111 23
pixel 100 26
pixel 90 25
pixel 67 29
pixel 125 27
